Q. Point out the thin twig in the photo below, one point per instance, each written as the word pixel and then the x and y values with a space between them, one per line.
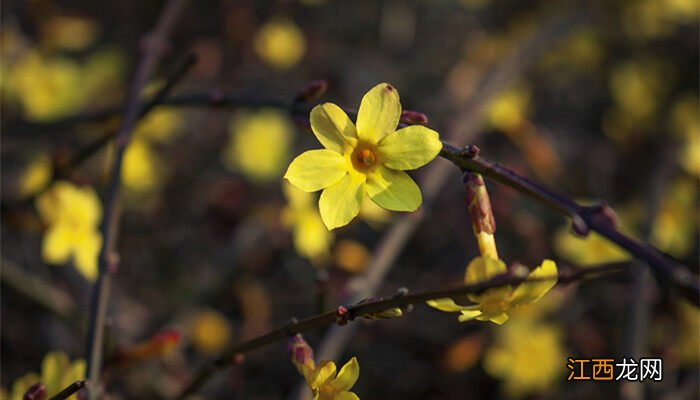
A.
pixel 350 313
pixel 72 389
pixel 154 46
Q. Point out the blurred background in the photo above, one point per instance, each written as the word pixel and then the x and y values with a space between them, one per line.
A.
pixel 598 99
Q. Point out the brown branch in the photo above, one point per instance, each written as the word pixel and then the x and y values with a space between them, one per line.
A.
pixel 154 45
pixel 598 218
pixel 72 389
pixel 350 313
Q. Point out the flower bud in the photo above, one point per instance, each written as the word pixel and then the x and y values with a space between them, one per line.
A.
pixel 409 117
pixel 301 353
pixel 481 214
pixel 35 392
pixel 312 91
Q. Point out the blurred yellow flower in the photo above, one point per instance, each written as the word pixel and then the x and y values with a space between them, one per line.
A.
pixel 36 175
pixel 103 75
pixel 69 32
pixel 210 332
pixel 592 249
pixel 527 356
pixel 47 87
pixel 676 224
pixel 689 334
pixel 635 87
pixel 311 238
pixel 649 19
pixel 370 158
pixel 159 126
pixel 258 145
pixel 72 215
pixel 280 43
pixel 57 372
pixel 351 256
pixel 493 304
pixel 685 123
pixel 509 110
pixel 13 44
pixel 141 169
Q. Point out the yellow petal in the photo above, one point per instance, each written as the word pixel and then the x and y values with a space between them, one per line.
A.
pixel 86 253
pixel 482 269
pixel 498 319
pixel 53 366
pixel 347 376
pixel 468 315
pixel 346 396
pixel 410 147
pixel 333 128
pixel 21 385
pixel 340 203
pixel 324 371
pixel 316 169
pixel 449 305
pixel 56 247
pixel 379 113
pixel 537 284
pixel 393 190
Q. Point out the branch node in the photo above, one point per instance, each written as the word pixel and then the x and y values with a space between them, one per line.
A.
pixel 401 292
pixel 342 316
pixel 470 151
pixel 289 327
pixel 579 226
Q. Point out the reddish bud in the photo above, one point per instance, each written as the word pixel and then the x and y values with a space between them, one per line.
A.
pixel 342 316
pixel 312 91
pixel 35 392
pixel 301 353
pixel 413 118
pixel 479 203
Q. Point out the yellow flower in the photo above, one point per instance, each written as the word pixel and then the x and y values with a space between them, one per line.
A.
pixel 57 372
pixel 280 43
pixel 327 386
pixel 492 304
pixel 71 215
pixel 258 144
pixel 36 175
pixel 322 378
pixel 526 355
pixel 369 158
pixel 311 239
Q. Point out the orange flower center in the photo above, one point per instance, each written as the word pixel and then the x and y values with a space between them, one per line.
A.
pixel 363 158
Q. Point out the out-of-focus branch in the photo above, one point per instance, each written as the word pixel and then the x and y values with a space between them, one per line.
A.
pixel 36 289
pixel 402 299
pixel 72 389
pixel 154 46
